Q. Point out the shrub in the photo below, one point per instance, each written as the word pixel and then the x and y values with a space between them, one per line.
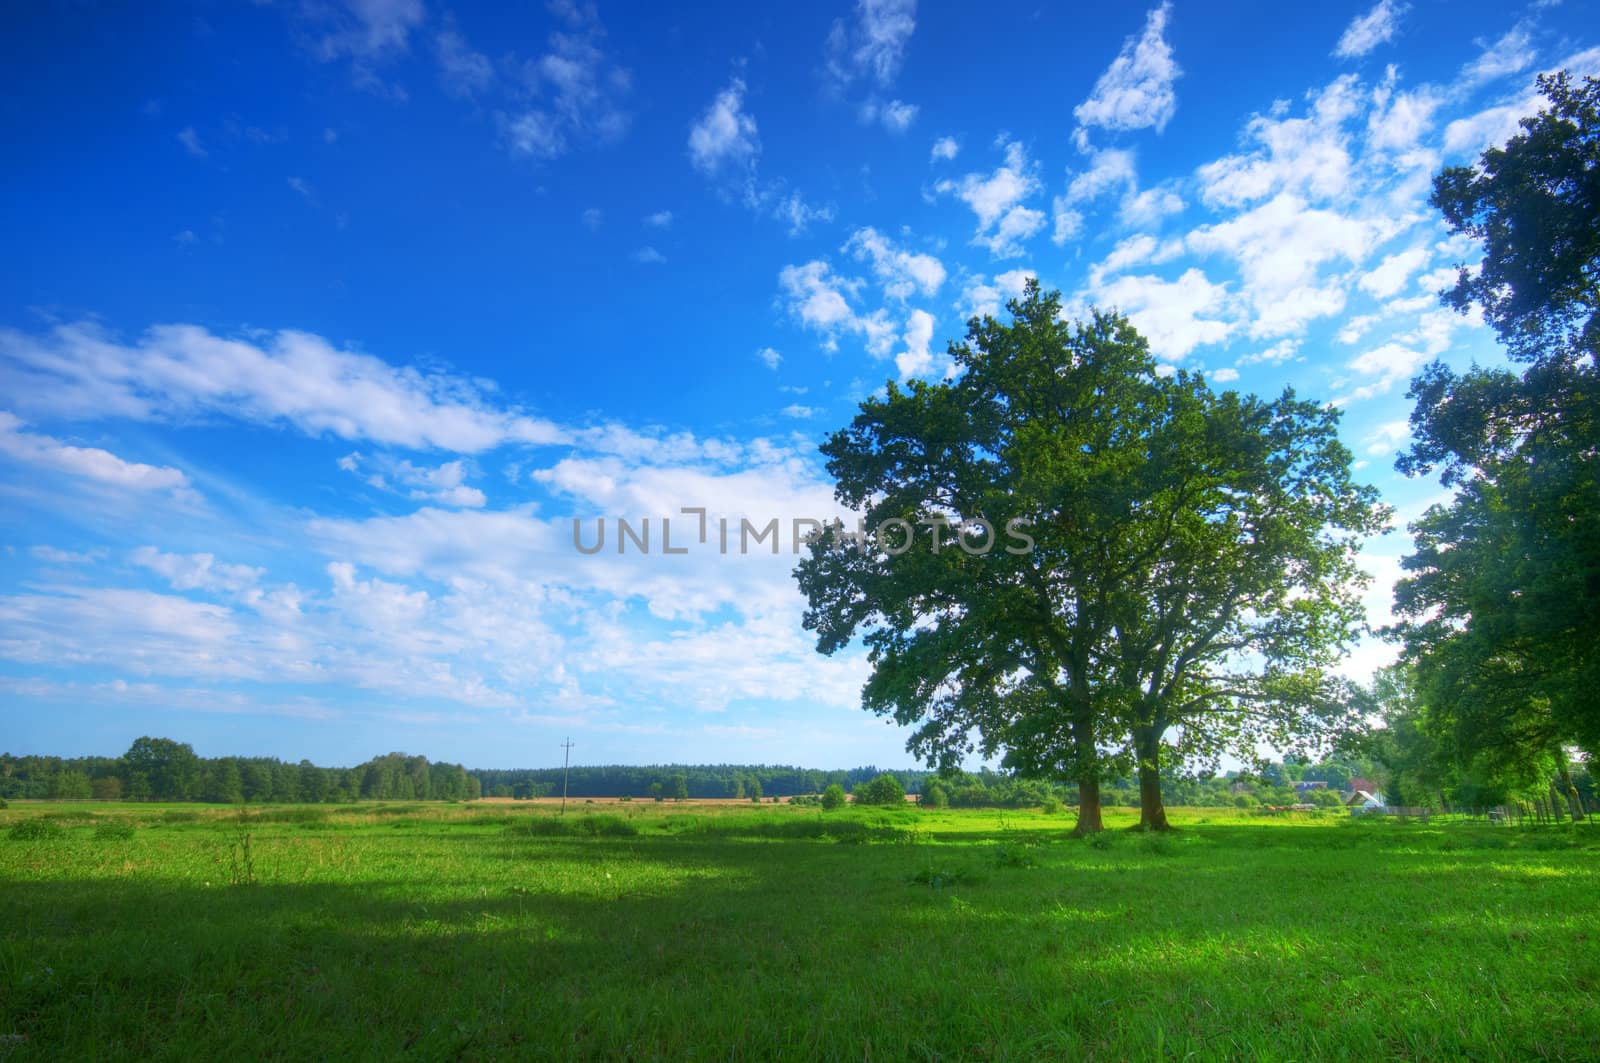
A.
pixel 833 797
pixel 116 830
pixel 3 803
pixel 1052 806
pixel 35 830
pixel 934 795
pixel 1244 801
pixel 884 790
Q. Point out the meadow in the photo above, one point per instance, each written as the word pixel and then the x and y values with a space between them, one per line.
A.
pixel 655 931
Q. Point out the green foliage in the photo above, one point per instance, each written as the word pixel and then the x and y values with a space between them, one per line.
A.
pixel 833 797
pixel 1502 619
pixel 1534 205
pixel 116 830
pixel 884 790
pixel 935 795
pixel 1131 486
pixel 35 830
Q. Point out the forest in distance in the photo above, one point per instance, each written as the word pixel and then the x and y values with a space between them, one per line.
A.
pixel 160 769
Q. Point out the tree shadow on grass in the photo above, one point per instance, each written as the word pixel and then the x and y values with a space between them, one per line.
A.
pixel 719 945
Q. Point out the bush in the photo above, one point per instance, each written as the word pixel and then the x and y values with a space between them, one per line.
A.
pixel 833 797
pixel 35 830
pixel 884 790
pixel 934 794
pixel 1244 801
pixel 3 803
pixel 116 830
pixel 1052 806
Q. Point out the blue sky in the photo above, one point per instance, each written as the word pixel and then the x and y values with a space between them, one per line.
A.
pixel 321 321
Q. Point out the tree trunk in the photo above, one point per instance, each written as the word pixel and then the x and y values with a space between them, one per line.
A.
pixel 1574 802
pixel 1088 772
pixel 1147 745
pixel 1088 808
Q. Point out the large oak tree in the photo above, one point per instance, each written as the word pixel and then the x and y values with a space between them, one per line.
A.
pixel 1191 561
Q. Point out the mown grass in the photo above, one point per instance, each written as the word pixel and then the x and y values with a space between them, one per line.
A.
pixel 743 933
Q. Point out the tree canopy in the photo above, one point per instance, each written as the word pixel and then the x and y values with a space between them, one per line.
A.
pixel 1189 557
pixel 1502 600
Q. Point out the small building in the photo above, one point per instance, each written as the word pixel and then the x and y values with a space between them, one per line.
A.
pixel 1362 784
pixel 1364 801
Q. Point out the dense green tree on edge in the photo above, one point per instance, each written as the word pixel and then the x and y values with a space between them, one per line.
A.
pixel 1503 600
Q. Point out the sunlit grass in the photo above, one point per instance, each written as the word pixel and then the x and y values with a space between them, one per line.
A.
pixel 646 930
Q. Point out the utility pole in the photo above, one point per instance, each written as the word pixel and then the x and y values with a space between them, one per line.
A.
pixel 566 753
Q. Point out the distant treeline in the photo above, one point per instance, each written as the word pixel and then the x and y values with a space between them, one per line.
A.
pixel 681 780
pixel 160 769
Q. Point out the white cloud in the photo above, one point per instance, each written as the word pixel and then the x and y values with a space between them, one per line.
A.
pixel 724 137
pixel 799 412
pixel 945 148
pixel 88 463
pixel 902 273
pixel 1368 31
pixel 769 357
pixel 1136 92
pixel 1511 54
pixel 1400 119
pixel 1137 250
pixel 981 298
pixel 917 359
pixel 817 295
pixel 1384 366
pixel 579 88
pixel 648 256
pixel 188 572
pixel 444 483
pixel 1175 316
pixel 191 142
pixel 462 71
pixel 1279 248
pixel 997 200
pixel 799 214
pixel 872 47
pixel 661 219
pixel 1386 438
pixel 1307 155
pixel 183 371
pixel 1148 208
pixel 895 115
pixel 1389 276
pixel 370 33
pixel 1110 170
pixel 1277 354
pixel 1224 376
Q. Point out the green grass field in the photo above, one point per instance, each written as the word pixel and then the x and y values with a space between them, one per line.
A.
pixel 648 931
